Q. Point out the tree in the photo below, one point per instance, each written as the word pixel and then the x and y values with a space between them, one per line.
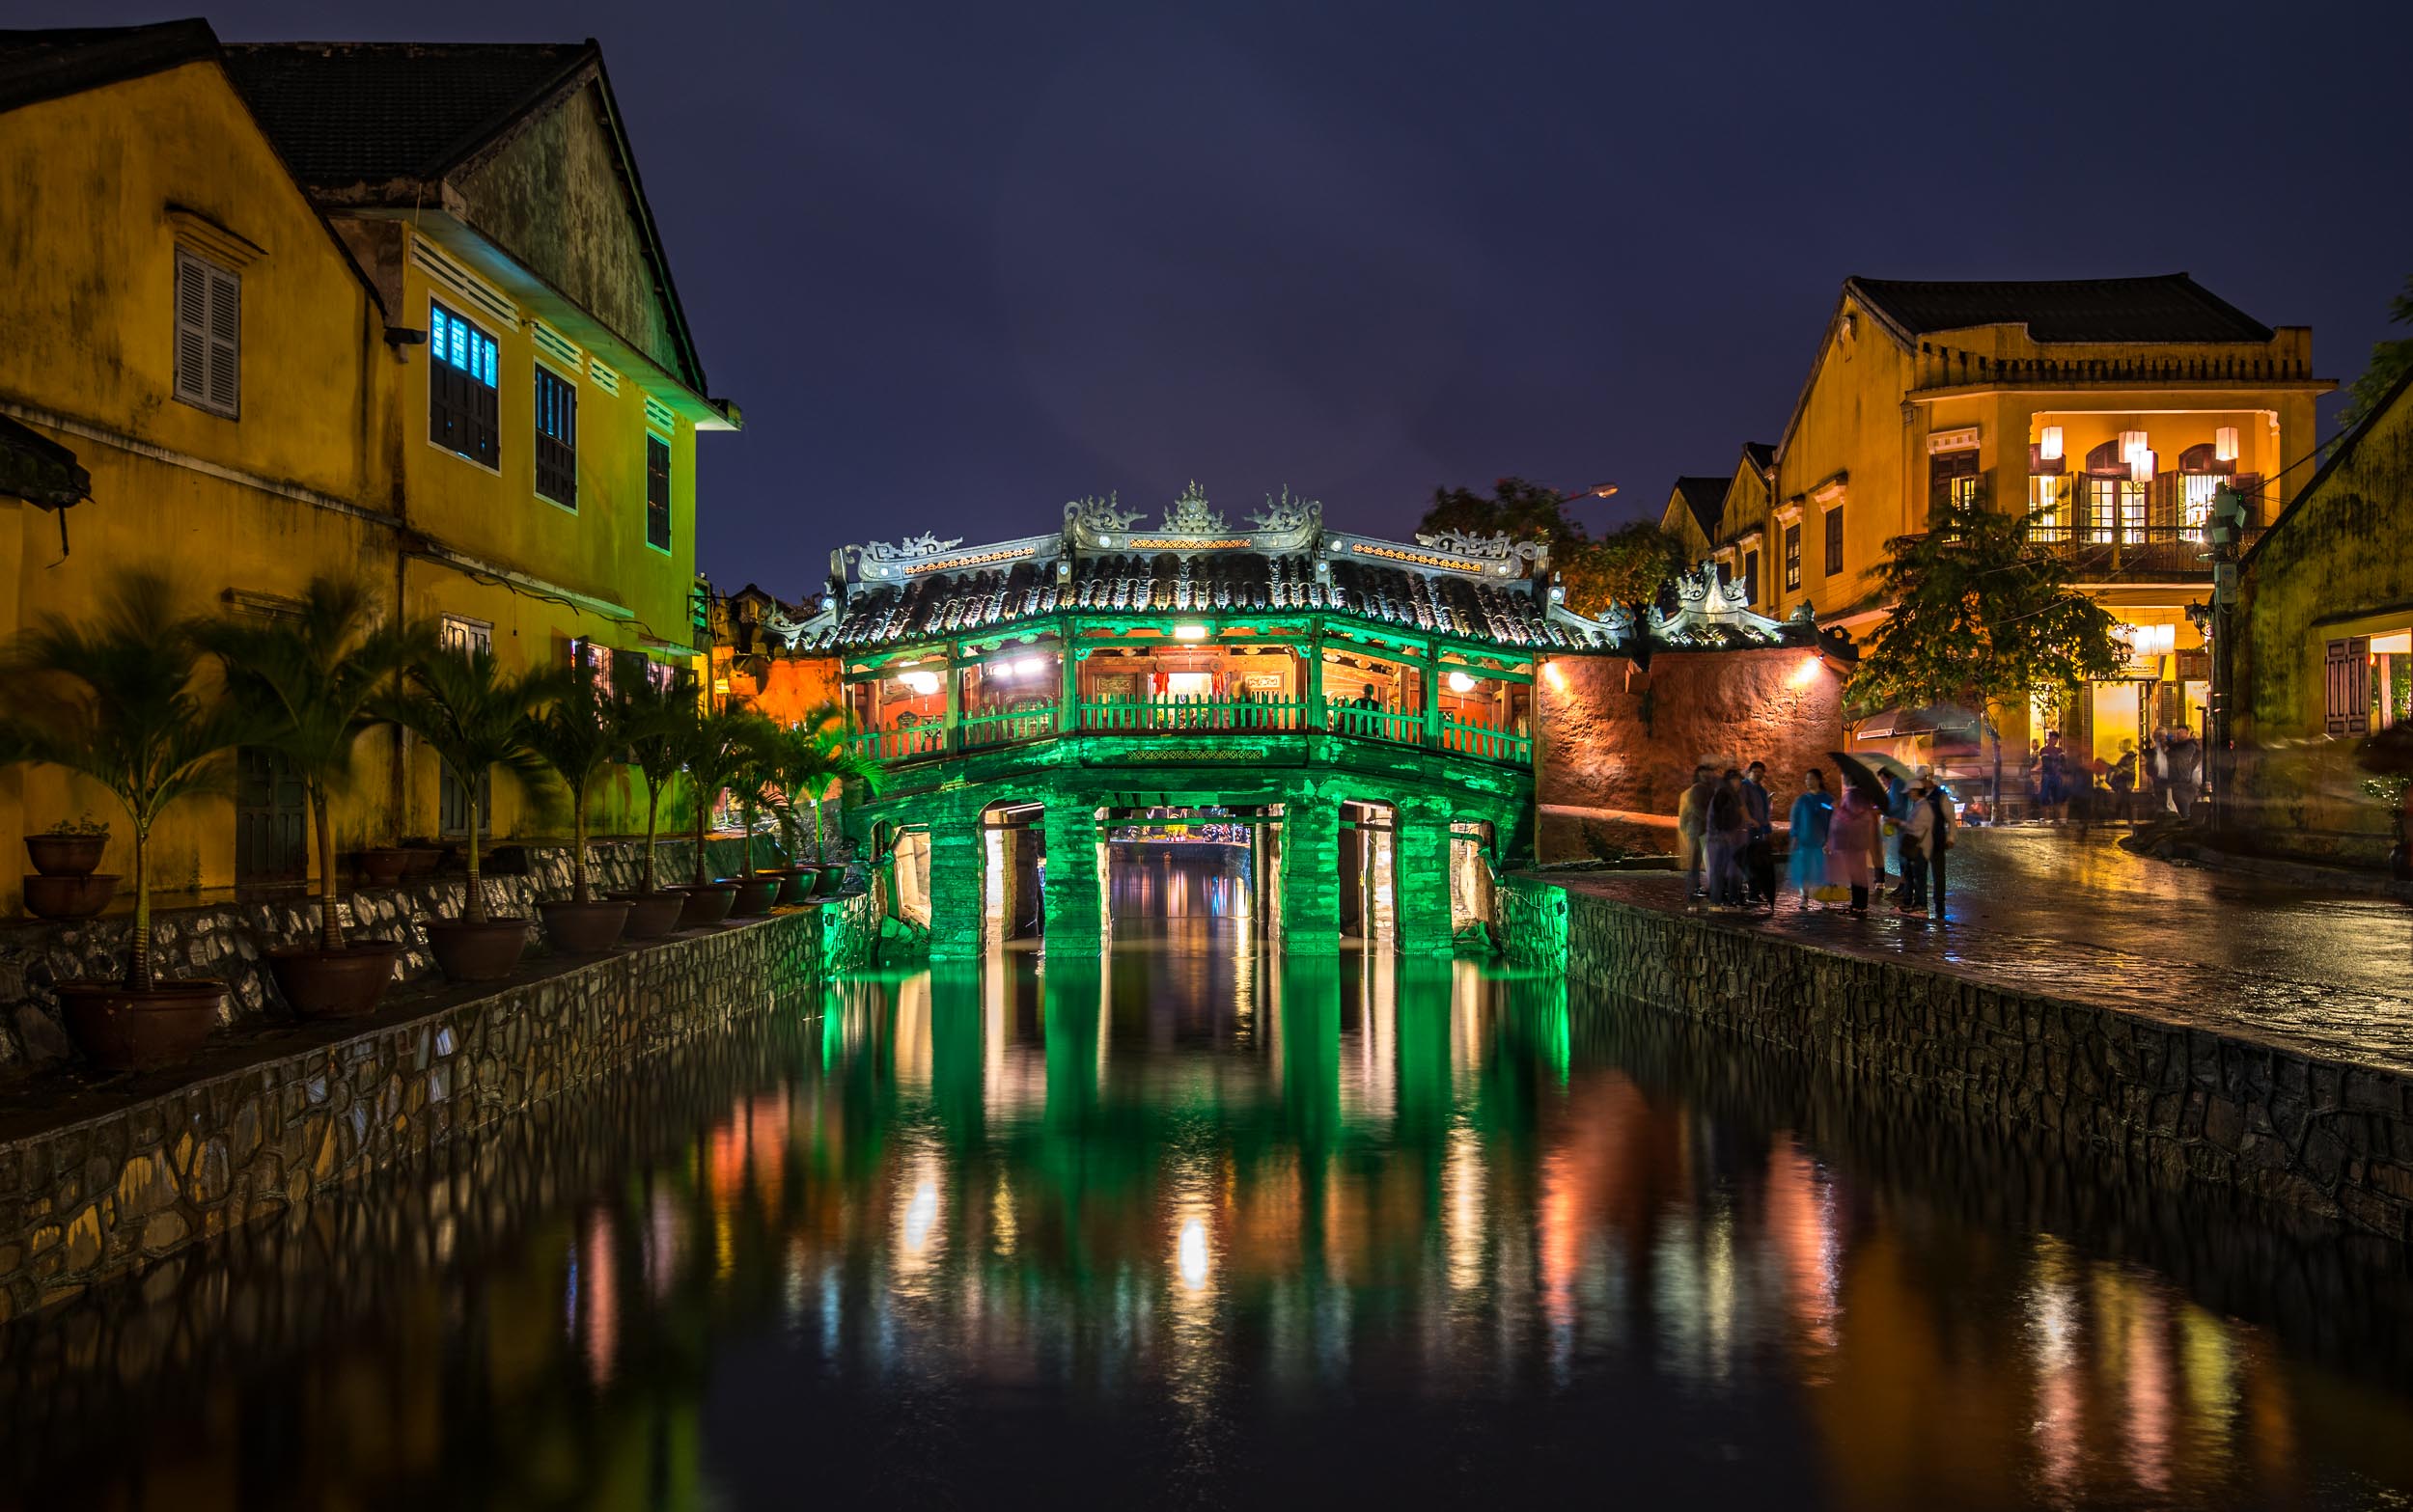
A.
pixel 1981 616
pixel 1628 568
pixel 578 736
pixel 817 752
pixel 651 715
pixel 476 717
pixel 127 704
pixel 716 748
pixel 2390 362
pixel 313 684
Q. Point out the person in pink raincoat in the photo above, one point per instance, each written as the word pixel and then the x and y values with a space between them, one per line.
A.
pixel 1848 841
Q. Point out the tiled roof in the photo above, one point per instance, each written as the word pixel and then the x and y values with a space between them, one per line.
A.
pixel 2171 307
pixel 45 65
pixel 1762 455
pixel 1705 498
pixel 1509 613
pixel 350 113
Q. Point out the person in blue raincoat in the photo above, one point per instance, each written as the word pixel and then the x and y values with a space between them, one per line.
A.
pixel 1813 811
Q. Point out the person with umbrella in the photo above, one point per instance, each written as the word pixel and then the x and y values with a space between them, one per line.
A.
pixel 1853 838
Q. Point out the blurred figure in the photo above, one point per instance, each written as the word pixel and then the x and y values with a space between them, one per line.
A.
pixel 1917 823
pixel 1851 838
pixel 2123 784
pixel 2186 772
pixel 1724 837
pixel 1760 848
pixel 1692 817
pixel 1813 816
pixel 2052 766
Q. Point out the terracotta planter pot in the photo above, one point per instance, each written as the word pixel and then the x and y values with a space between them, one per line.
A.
pixel 650 915
pixel 755 896
pixel 334 984
pixel 382 863
pixel 121 1030
pixel 65 855
pixel 588 928
pixel 796 883
pixel 831 879
pixel 68 898
pixel 478 952
pixel 708 904
pixel 421 861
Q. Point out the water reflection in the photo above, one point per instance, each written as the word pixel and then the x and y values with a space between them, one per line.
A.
pixel 1200 1225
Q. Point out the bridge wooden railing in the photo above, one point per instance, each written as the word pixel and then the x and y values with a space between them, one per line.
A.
pixel 1182 714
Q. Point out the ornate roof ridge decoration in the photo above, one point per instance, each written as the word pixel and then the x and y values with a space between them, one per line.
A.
pixel 1190 515
pixel 1495 547
pixel 1613 628
pixel 1440 553
pixel 1093 516
pixel 1709 613
pixel 918 555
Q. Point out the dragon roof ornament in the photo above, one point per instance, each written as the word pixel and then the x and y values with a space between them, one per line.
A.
pixel 1495 547
pixel 1189 514
pixel 1713 612
pixel 1098 516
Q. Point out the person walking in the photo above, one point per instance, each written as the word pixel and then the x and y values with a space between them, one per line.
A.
pixel 1917 824
pixel 2124 785
pixel 2052 784
pixel 1808 825
pixel 2186 772
pixel 1760 851
pixel 1724 837
pixel 1943 828
pixel 1692 817
pixel 1851 838
pixel 2156 763
pixel 1897 809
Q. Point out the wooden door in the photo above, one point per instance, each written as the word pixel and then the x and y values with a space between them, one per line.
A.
pixel 272 820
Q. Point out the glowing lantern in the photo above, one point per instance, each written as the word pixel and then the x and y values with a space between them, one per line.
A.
pixel 2224 444
pixel 2050 448
pixel 2141 465
pixel 924 683
pixel 1460 682
pixel 1189 632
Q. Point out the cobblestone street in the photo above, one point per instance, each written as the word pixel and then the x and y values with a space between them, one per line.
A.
pixel 2321 972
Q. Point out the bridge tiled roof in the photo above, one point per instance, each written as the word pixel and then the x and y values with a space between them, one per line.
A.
pixel 1510 612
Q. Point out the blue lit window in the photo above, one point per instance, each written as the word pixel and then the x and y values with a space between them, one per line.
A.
pixel 463 404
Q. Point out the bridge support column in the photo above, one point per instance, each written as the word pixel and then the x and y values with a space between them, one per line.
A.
pixel 1310 876
pixel 1074 899
pixel 959 862
pixel 1420 849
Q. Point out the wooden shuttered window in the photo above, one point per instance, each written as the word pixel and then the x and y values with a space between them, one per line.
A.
pixel 208 335
pixel 463 408
pixel 1951 478
pixel 1750 578
pixel 1835 541
pixel 657 493
pixel 556 437
pixel 1793 559
pixel 2348 670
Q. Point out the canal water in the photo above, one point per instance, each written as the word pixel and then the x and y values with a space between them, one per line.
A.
pixel 1193 1225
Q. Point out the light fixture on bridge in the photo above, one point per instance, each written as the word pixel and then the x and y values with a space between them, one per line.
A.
pixel 1189 632
pixel 921 683
pixel 2224 444
pixel 1460 682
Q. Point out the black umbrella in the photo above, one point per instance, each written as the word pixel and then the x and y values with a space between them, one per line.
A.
pixel 1856 772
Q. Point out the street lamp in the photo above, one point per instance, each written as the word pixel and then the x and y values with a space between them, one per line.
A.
pixel 1595 491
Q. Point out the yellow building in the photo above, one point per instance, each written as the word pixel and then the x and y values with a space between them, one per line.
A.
pixel 2111 407
pixel 2324 649
pixel 396 312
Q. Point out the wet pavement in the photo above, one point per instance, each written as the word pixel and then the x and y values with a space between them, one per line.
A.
pixel 2319 973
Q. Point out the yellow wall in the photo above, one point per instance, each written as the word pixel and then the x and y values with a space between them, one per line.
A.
pixel 326 469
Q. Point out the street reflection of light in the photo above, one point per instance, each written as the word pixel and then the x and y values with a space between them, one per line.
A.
pixel 1001 1223
pixel 1462 1199
pixel 920 1239
pixel 1801 1223
pixel 603 1298
pixel 666 1235
pixel 1192 1254
pixel 2052 1328
pixel 921 1214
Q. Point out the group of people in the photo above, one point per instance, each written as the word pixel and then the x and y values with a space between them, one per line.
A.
pixel 1843 842
pixel 2067 789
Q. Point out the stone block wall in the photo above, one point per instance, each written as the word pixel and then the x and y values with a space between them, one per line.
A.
pixel 97 1197
pixel 230 940
pixel 2183 1105
pixel 1615 743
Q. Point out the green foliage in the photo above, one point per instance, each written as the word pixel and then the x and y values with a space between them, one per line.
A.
pixel 811 757
pixel 1627 567
pixel 578 736
pixel 649 716
pixel 716 750
pixel 313 685
pixel 129 702
pixel 478 718
pixel 1981 617
pixel 2388 363
pixel 82 827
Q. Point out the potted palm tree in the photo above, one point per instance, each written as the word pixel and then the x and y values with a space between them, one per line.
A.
pixel 310 685
pixel 815 756
pixel 477 718
pixel 578 737
pixel 714 748
pixel 651 716
pixel 129 703
pixel 753 783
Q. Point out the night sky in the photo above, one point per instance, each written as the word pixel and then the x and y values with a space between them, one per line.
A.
pixel 963 262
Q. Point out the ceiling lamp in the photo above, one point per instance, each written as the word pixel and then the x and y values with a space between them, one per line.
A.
pixel 1460 682
pixel 923 683
pixel 2131 442
pixel 1189 632
pixel 2141 465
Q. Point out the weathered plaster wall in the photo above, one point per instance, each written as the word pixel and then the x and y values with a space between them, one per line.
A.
pixel 1616 744
pixel 83 1200
pixel 2180 1106
pixel 2338 564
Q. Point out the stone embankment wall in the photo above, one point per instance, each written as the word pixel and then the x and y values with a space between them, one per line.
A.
pixel 2182 1105
pixel 89 1199
pixel 230 940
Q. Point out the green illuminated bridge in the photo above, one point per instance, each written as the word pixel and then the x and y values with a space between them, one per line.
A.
pixel 1363 707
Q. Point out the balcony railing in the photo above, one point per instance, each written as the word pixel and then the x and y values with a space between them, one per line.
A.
pixel 2106 553
pixel 1174 714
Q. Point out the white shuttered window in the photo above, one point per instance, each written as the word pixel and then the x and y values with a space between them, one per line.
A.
pixel 208 334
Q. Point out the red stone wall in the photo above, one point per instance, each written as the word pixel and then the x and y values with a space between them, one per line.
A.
pixel 1617 744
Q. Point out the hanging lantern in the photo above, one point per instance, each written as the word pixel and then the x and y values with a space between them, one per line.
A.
pixel 2224 444
pixel 2050 448
pixel 2141 465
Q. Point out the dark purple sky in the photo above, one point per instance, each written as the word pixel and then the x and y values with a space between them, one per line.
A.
pixel 961 262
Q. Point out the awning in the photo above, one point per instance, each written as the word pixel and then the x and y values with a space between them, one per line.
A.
pixel 43 472
pixel 1897 723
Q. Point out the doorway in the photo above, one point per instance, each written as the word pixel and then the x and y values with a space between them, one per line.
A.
pixel 272 820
